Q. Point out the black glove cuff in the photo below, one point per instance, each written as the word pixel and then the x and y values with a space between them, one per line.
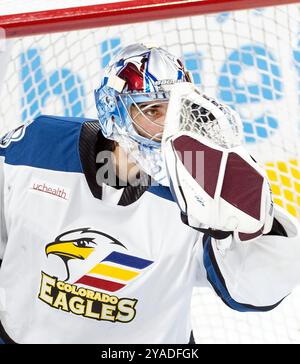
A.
pixel 216 234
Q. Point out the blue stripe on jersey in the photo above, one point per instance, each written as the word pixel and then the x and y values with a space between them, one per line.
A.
pixel 127 260
pixel 161 191
pixel 2 152
pixel 216 279
pixel 50 143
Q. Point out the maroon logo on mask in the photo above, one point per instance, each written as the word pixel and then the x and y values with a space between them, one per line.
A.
pixel 134 76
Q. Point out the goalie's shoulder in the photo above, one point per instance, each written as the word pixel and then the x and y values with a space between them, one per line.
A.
pixel 48 142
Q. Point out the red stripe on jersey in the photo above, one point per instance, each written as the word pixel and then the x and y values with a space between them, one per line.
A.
pixel 100 283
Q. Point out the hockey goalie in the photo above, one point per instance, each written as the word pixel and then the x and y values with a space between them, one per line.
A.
pixel 107 225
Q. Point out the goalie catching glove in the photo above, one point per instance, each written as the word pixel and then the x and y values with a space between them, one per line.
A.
pixel 216 183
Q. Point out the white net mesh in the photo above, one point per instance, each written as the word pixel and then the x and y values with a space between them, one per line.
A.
pixel 249 60
pixel 203 115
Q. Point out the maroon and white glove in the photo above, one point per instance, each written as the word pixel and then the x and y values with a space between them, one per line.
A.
pixel 216 183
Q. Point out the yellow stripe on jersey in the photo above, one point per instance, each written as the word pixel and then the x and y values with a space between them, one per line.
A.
pixel 113 272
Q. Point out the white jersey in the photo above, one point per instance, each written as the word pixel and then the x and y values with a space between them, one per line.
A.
pixel 77 268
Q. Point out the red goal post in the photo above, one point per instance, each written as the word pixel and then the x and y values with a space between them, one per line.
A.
pixel 94 16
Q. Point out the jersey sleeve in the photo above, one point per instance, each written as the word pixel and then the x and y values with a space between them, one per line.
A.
pixel 258 275
pixel 3 233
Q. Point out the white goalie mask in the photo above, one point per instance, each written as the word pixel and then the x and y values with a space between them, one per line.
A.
pixel 133 99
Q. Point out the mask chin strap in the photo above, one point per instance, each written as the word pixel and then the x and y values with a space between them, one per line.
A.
pixel 149 159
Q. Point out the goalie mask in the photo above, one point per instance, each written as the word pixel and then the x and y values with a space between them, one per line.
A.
pixel 136 85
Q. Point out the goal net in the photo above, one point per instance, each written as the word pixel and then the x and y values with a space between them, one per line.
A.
pixel 246 58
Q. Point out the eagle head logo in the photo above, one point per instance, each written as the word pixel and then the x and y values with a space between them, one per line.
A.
pixel 78 244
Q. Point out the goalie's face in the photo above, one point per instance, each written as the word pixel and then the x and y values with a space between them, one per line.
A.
pixel 149 119
pixel 139 74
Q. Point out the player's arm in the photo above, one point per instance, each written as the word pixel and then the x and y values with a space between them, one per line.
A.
pixel 250 254
pixel 3 235
pixel 3 232
pixel 256 275
pixel 6 140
